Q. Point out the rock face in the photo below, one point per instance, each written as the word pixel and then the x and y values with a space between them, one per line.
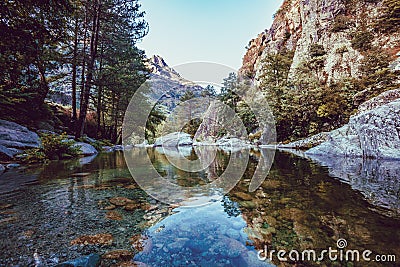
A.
pixel 168 83
pixel 373 133
pixel 174 139
pixel 14 136
pixel 85 149
pixel 299 24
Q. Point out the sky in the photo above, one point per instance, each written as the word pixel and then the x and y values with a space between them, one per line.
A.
pixel 183 31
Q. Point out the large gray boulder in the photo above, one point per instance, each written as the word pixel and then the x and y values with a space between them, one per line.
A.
pixel 13 135
pixel 374 133
pixel 174 139
pixel 85 149
pixel 6 153
pixel 232 144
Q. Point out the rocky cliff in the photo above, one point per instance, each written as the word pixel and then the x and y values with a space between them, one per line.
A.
pixel 334 24
pixel 169 83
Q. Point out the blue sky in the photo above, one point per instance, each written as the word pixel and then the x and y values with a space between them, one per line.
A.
pixel 217 31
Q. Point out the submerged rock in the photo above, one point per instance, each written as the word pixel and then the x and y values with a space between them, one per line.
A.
pixel 98 239
pixel 114 215
pixel 119 254
pixel 121 201
pixel 91 260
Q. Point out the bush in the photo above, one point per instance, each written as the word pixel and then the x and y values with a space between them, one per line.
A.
pixel 317 50
pixel 53 147
pixel 340 23
pixel 362 40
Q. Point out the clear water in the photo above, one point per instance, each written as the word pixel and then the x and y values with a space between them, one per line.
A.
pixel 300 205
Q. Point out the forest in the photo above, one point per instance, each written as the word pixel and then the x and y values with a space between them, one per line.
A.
pixel 85 48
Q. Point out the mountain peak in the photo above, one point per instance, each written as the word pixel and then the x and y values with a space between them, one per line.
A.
pixel 158 61
pixel 157 65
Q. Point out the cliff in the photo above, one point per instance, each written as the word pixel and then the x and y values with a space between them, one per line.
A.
pixel 334 24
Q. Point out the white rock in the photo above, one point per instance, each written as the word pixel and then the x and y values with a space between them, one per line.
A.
pixel 174 139
pixel 85 149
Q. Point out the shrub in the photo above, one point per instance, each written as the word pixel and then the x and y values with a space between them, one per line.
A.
pixel 389 21
pixel 362 40
pixel 58 146
pixel 317 50
pixel 53 147
pixel 34 155
pixel 340 23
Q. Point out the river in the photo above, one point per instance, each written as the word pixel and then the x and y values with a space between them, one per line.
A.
pixel 58 210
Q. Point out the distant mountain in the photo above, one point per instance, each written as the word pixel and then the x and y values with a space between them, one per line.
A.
pixel 168 82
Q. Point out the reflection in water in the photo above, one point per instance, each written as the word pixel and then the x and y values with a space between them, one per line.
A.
pixel 201 236
pixel 377 180
pixel 299 206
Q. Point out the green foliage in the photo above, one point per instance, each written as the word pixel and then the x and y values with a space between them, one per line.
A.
pixel 340 23
pixel 31 32
pixel 53 146
pixel 317 50
pixel 35 155
pixel 362 40
pixel 376 77
pixel 157 116
pixel 304 105
pixel 57 146
pixel 389 21
pixel 231 86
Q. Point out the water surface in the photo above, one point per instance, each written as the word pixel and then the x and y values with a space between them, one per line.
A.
pixel 51 209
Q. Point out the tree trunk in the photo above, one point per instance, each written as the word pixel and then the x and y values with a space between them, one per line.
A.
pixel 74 62
pixel 99 97
pixel 83 57
pixel 44 87
pixel 90 70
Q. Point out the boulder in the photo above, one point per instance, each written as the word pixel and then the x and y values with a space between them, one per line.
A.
pixel 2 168
pixel 13 135
pixel 6 153
pixel 91 260
pixel 174 139
pixel 374 133
pixel 85 149
pixel 232 144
